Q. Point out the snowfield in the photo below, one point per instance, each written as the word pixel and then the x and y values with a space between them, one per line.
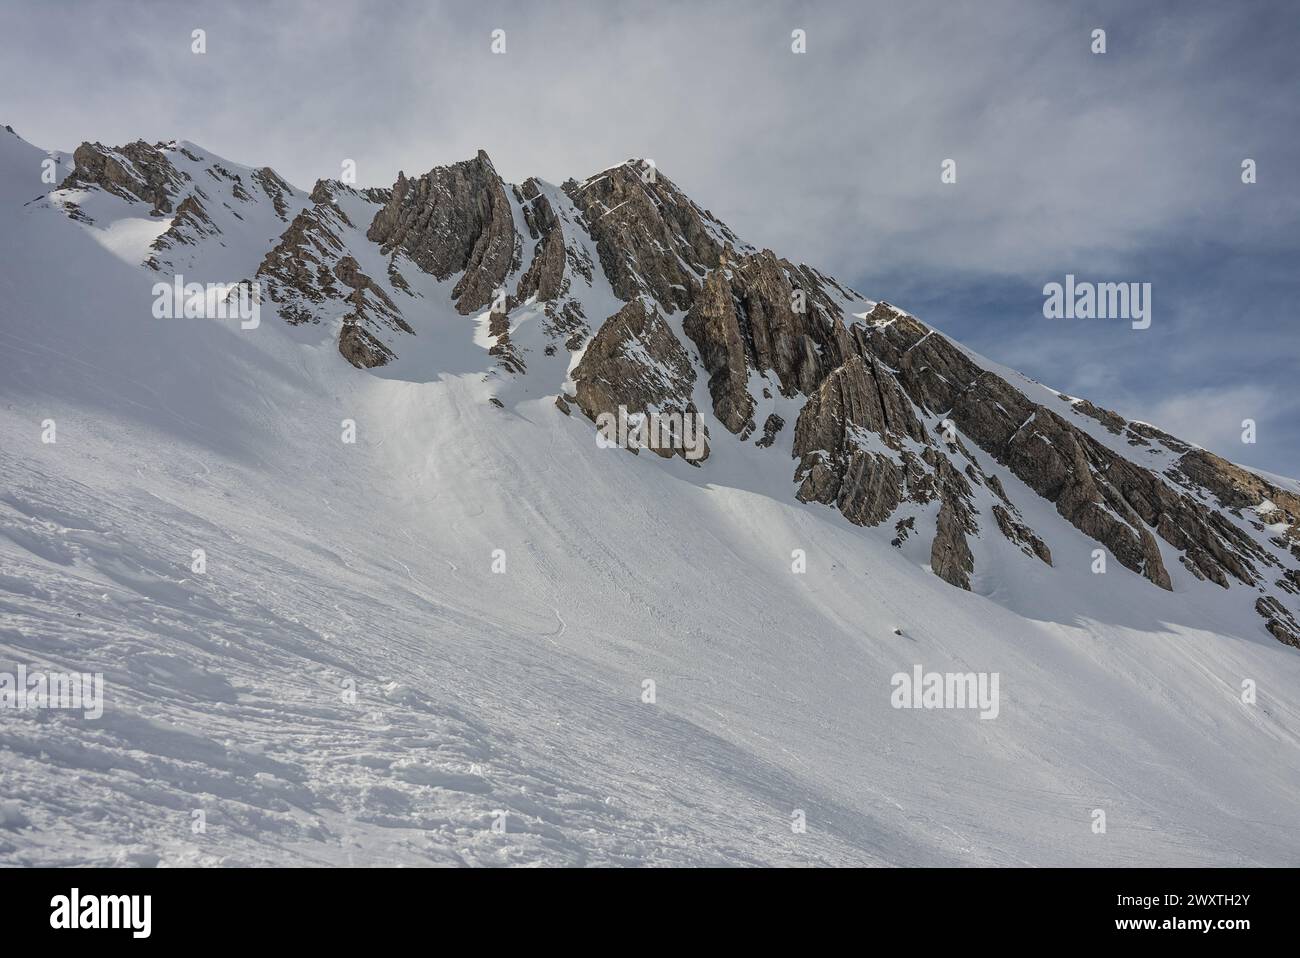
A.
pixel 349 681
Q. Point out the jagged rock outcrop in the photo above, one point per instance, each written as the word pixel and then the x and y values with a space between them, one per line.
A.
pixel 1236 488
pixel 1113 422
pixel 1106 496
pixel 1141 433
pixel 636 362
pixel 359 347
pixel 746 310
pixel 772 425
pixel 1279 621
pixel 188 227
pixel 276 189
pixel 891 419
pixel 860 402
pixel 1019 533
pixel 560 269
pixel 713 325
pixel 297 272
pixel 1094 489
pixel 950 555
pixel 1054 458
pixel 453 219
pixel 862 447
pixel 203 196
pixel 757 313
pixel 311 277
pixel 845 440
pixel 788 322
pixel 545 275
pixel 650 237
pixel 136 171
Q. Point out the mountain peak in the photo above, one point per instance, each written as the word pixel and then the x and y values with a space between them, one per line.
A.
pixel 638 301
pixel 472 464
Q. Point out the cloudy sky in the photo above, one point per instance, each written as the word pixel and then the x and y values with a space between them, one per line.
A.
pixel 1117 167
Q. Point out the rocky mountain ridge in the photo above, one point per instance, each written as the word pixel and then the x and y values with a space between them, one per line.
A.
pixel 649 303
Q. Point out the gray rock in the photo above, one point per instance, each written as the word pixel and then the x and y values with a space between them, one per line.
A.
pixel 636 362
pixel 453 219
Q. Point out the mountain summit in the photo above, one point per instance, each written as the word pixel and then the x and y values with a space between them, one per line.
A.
pixel 886 420
pixel 479 346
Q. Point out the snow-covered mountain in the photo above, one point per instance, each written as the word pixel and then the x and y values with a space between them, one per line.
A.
pixel 368 584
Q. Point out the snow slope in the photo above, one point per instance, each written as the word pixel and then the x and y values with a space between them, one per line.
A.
pixel 521 692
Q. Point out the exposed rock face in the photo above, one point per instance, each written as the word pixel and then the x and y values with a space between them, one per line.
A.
pixel 1139 433
pixel 297 271
pixel 545 276
pixel 844 440
pixel 772 425
pixel 636 362
pixel 862 448
pixel 1054 458
pixel 453 219
pixel 950 555
pixel 311 277
pixel 1279 621
pixel 1021 534
pixel 755 312
pixel 713 325
pixel 1235 488
pixel 650 237
pixel 859 403
pixel 276 190
pixel 202 195
pixel 359 347
pixel 747 310
pixel 502 348
pixel 1112 421
pixel 136 171
pixel 789 323
pixel 1093 488
pixel 1103 494
pixel 561 268
pixel 190 224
